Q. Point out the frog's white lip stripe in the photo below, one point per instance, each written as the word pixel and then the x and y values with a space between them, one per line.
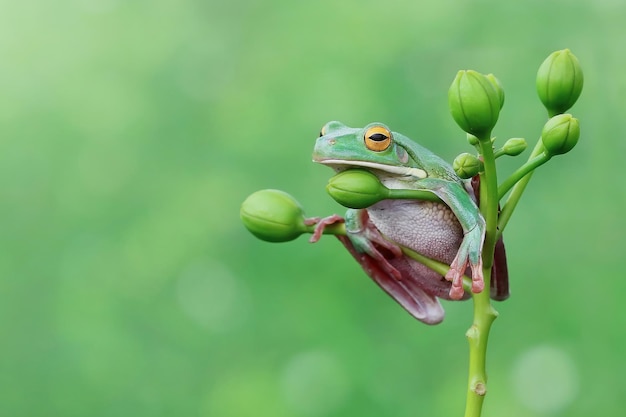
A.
pixel 399 170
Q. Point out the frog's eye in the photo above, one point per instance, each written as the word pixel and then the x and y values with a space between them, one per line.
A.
pixel 377 138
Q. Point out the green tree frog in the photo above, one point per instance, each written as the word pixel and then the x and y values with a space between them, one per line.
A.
pixel 452 233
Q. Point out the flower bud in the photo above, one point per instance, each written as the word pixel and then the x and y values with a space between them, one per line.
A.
pixel 498 86
pixel 273 216
pixel 472 140
pixel 559 81
pixel 466 165
pixel 474 103
pixel 514 146
pixel 356 188
pixel 560 134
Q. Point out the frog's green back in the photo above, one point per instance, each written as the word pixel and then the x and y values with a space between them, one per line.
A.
pixel 430 162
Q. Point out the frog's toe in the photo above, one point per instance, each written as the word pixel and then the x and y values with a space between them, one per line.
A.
pixel 478 282
pixel 455 275
pixel 320 225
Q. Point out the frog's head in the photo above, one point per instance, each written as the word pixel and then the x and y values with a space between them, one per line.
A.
pixel 375 147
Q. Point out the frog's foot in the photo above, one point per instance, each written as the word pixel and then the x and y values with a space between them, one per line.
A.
pixel 321 225
pixel 469 254
pixel 455 275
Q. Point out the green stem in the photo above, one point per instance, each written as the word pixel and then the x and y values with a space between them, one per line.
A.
pixel 331 229
pixel 529 166
pixel 404 194
pixel 484 313
pixel 489 201
pixel 518 190
pixel 439 267
pixel 478 337
pixel 500 152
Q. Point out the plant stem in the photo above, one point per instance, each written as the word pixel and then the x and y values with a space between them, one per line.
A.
pixel 439 267
pixel 489 203
pixel 478 333
pixel 478 337
pixel 529 166
pixel 516 193
pixel 484 313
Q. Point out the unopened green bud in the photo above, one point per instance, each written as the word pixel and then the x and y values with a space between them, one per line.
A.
pixel 560 134
pixel 273 216
pixel 474 103
pixel 498 86
pixel 472 140
pixel 467 165
pixel 514 146
pixel 356 188
pixel 559 81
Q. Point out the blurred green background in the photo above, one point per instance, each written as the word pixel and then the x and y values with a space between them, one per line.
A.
pixel 131 131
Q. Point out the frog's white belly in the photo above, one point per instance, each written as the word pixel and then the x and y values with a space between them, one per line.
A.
pixel 427 227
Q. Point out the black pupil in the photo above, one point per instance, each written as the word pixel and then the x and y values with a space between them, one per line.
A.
pixel 378 137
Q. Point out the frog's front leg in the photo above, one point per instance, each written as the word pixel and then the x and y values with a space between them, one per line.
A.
pixel 366 238
pixel 473 224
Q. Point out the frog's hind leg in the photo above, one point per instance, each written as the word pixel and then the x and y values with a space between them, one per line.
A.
pixel 423 306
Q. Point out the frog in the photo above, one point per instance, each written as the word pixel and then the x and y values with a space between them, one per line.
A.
pixel 450 230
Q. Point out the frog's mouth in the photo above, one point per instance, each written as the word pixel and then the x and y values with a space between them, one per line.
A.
pixel 342 164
